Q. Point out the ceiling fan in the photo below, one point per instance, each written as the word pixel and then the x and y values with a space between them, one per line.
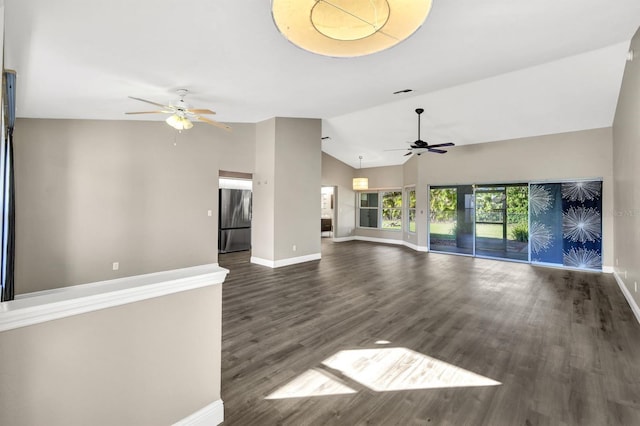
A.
pixel 421 146
pixel 181 113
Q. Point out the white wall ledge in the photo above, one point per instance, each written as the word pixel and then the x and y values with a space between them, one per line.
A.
pixel 39 307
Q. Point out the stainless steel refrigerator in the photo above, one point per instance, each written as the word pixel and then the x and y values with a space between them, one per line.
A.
pixel 234 220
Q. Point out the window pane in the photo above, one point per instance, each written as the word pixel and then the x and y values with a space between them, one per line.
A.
pixel 392 218
pixel 369 199
pixel 501 221
pixel 392 199
pixel 451 215
pixel 412 199
pixel 369 218
pixel 412 220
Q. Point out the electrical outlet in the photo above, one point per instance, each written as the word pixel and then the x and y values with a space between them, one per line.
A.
pixel 209 213
pixel 116 266
pixel 616 261
pixel 294 247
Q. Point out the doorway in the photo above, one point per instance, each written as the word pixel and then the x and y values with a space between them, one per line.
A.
pixel 501 221
pixel 234 214
pixel 327 211
pixel 451 215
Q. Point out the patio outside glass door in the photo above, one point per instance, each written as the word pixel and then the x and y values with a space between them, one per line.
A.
pixel 451 219
pixel 501 225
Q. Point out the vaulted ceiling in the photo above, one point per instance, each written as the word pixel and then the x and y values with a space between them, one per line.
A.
pixel 483 71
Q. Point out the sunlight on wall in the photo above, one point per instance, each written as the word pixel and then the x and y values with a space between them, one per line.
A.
pixel 381 370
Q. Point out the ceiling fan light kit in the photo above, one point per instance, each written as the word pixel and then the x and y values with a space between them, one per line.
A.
pixel 419 144
pixel 179 123
pixel 182 115
pixel 348 28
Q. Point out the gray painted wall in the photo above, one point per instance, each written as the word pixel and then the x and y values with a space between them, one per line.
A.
pixel 96 192
pixel 298 184
pixel 286 188
pixel 340 175
pixel 626 158
pixel 262 224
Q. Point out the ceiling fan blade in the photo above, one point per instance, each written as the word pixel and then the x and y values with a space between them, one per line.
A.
pixel 200 111
pixel 442 144
pixel 398 149
pixel 150 112
pixel 151 102
pixel 437 151
pixel 213 123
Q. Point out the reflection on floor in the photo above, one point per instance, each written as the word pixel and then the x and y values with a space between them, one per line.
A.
pixel 488 247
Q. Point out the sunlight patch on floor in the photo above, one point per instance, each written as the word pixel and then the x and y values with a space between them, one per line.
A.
pixel 312 382
pixel 381 370
pixel 395 369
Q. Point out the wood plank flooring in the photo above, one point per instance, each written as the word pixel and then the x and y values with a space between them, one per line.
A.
pixel 563 345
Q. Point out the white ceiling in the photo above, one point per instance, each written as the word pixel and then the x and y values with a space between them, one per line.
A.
pixel 483 71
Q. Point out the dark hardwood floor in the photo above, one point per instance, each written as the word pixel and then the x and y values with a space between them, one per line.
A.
pixel 564 345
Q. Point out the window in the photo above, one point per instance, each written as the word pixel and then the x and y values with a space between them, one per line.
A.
pixel 411 209
pixel 381 210
pixel 369 209
pixel 392 210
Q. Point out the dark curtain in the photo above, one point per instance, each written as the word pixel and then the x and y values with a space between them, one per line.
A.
pixel 7 189
pixel 566 224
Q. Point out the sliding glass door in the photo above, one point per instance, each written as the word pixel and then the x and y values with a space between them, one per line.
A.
pixel 551 223
pixel 501 225
pixel 451 219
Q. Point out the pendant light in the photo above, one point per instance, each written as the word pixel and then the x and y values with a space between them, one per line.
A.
pixel 360 183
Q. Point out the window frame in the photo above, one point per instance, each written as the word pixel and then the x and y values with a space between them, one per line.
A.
pixel 409 209
pixel 380 209
pixel 377 208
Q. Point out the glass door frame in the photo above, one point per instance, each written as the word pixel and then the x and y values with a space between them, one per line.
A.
pixel 505 221
pixel 474 186
pixel 473 228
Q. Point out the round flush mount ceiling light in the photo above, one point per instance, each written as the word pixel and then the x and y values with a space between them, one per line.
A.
pixel 347 28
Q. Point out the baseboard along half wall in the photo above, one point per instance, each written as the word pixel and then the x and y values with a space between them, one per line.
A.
pixel 285 262
pixel 415 247
pixel 627 295
pixel 212 414
pixel 382 241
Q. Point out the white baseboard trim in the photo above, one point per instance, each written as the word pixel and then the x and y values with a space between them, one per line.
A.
pixel 608 269
pixel 262 262
pixel 415 247
pixel 285 262
pixel 383 241
pixel 212 414
pixel 379 240
pixel 627 295
pixel 343 239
